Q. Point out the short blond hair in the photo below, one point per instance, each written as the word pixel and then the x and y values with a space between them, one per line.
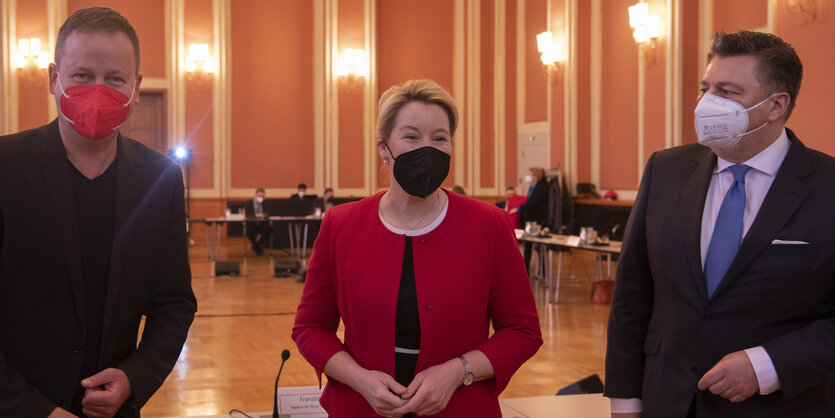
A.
pixel 426 91
pixel 538 173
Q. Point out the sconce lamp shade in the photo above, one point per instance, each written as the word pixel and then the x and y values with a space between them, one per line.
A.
pixel 645 27
pixel 198 59
pixel 353 63
pixel 550 51
pixel 653 26
pixel 29 53
pixel 638 14
pixel 543 41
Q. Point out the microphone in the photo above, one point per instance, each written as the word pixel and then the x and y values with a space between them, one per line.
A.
pixel 284 356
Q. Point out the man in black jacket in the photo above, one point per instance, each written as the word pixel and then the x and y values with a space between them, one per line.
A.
pixel 92 238
pixel 723 304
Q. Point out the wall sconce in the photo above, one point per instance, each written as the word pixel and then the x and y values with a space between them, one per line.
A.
pixel 30 55
pixel 353 68
pixel 646 28
pixel 199 64
pixel 550 54
pixel 29 59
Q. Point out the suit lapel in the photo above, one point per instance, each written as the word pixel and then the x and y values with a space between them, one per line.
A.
pixel 128 194
pixel 695 179
pixel 55 169
pixel 785 196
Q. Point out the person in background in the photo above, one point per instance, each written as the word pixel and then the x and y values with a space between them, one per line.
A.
pixel 92 241
pixel 460 190
pixel 258 232
pixel 511 204
pixel 302 193
pixel 325 202
pixel 725 292
pixel 535 208
pixel 416 297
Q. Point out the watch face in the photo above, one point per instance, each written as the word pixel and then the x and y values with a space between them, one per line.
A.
pixel 468 379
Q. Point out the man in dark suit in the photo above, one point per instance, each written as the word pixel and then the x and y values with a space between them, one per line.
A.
pixel 92 238
pixel 723 304
pixel 258 232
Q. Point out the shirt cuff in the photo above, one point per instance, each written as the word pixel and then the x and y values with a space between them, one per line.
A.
pixel 626 406
pixel 764 370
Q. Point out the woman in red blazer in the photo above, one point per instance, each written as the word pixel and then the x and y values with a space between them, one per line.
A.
pixel 417 275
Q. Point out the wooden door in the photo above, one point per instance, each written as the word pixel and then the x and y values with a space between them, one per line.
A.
pixel 148 123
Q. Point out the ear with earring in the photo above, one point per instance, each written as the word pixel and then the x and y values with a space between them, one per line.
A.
pixel 385 160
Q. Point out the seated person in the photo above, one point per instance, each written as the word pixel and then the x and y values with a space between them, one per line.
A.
pixel 255 209
pixel 302 193
pixel 325 202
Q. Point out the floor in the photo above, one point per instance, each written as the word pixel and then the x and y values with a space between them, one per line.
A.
pixel 233 350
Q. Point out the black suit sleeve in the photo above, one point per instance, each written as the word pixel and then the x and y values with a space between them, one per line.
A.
pixel 804 358
pixel 17 396
pixel 631 303
pixel 171 309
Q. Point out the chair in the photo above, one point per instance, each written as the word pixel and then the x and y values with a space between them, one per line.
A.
pixel 590 384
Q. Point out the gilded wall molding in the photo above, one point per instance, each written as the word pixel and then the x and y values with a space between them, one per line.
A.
pixel 8 36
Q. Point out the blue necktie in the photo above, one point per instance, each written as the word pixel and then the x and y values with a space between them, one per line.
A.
pixel 727 234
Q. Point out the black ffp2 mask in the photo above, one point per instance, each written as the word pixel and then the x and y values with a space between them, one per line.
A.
pixel 421 171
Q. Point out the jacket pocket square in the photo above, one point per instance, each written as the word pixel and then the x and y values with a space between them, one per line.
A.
pixel 788 242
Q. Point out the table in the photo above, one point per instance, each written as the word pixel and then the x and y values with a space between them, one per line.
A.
pixel 555 241
pixel 295 226
pixel 592 405
pixel 567 406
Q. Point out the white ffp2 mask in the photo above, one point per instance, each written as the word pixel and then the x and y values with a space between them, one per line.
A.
pixel 721 123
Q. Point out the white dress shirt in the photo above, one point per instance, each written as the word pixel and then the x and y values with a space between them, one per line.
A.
pixel 758 180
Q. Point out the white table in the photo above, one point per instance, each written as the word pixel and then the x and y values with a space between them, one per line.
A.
pixel 567 406
pixel 554 241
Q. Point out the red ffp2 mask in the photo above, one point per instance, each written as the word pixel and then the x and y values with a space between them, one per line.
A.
pixel 95 111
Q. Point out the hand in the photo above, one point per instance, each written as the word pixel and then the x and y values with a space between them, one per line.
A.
pixel 627 415
pixel 106 391
pixel 732 378
pixel 432 388
pixel 61 413
pixel 377 387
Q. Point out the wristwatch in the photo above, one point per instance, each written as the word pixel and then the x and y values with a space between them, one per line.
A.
pixel 468 375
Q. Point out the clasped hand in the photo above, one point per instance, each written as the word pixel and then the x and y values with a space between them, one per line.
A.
pixel 431 389
pixel 428 393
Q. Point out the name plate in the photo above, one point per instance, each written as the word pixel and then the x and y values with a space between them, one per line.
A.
pixel 301 402
pixel 573 241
